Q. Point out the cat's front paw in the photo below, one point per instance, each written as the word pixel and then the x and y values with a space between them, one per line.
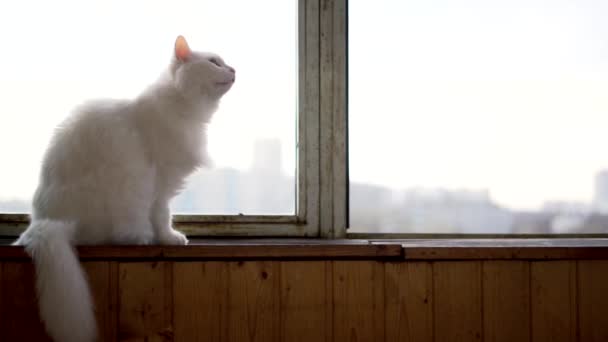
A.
pixel 173 237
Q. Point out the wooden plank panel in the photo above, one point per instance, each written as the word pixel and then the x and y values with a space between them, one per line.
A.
pixel 2 314
pixel 200 295
pixel 457 301
pixel 102 279
pixel 306 313
pixel 1 301
pixel 593 300
pixel 254 308
pixel 145 301
pixel 20 318
pixel 553 301
pixel 409 301
pixel 358 292
pixel 506 301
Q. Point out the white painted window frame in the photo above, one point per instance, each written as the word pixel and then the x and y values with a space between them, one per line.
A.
pixel 322 182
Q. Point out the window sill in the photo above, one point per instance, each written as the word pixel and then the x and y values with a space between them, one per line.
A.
pixel 224 249
pixel 488 249
pixel 312 249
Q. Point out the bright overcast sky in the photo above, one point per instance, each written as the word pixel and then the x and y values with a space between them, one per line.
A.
pixel 509 96
pixel 56 54
pixel 505 95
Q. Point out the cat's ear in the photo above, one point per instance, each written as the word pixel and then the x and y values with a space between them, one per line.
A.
pixel 182 50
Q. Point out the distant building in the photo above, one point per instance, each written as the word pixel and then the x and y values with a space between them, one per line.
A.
pixel 600 196
pixel 532 222
pixel 568 217
pixel 372 209
pixel 262 189
pixel 575 207
pixel 379 209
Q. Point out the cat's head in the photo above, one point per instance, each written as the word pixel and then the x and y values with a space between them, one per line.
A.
pixel 200 75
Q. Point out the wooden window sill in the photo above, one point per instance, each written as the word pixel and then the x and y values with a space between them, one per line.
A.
pixel 217 249
pixel 488 249
pixel 314 249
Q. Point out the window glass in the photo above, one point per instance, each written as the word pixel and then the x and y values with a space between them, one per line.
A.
pixel 478 116
pixel 57 54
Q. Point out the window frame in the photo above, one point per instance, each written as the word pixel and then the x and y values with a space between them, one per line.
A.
pixel 430 238
pixel 321 167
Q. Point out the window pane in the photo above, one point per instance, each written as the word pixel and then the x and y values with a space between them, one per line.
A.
pixel 56 54
pixel 478 116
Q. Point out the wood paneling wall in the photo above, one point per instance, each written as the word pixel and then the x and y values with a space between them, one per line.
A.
pixel 496 300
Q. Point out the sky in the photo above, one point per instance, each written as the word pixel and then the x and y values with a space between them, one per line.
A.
pixel 509 96
pixel 55 55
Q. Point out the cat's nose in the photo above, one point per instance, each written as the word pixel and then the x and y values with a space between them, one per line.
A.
pixel 232 70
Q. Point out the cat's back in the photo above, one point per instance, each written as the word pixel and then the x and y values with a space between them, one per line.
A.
pixel 95 116
pixel 97 133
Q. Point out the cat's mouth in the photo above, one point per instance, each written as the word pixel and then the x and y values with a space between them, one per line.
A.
pixel 225 83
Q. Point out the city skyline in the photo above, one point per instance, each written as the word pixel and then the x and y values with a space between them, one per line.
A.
pixel 265 189
pixel 267 156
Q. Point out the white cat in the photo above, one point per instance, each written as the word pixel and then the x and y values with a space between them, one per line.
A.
pixel 107 178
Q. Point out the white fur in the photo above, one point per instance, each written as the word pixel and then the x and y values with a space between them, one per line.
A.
pixel 108 176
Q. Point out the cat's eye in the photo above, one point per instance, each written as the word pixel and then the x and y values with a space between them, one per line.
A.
pixel 215 61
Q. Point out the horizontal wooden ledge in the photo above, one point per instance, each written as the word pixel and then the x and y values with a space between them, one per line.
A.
pixel 488 249
pixel 302 249
pixel 233 249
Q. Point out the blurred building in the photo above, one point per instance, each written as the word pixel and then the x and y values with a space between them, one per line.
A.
pixel 262 189
pixel 600 195
pixel 377 209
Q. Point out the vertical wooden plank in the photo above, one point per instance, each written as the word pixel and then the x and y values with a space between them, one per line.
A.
pixel 593 300
pixel 200 295
pixel 305 306
pixel 254 308
pixel 20 318
pixel 329 292
pixel 358 301
pixel 378 306
pixel 102 282
pixel 114 301
pixel 506 301
pixel 145 301
pixel 553 301
pixel 1 302
pixel 409 301
pixel 457 301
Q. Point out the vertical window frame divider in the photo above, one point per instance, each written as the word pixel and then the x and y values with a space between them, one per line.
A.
pixel 333 119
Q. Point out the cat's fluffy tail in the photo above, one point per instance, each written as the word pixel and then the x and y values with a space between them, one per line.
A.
pixel 66 306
